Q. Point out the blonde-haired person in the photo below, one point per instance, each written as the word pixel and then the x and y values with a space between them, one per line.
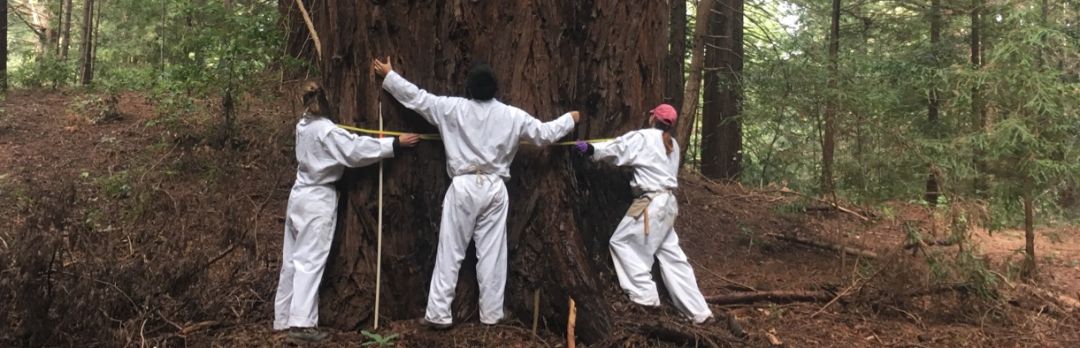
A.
pixel 323 150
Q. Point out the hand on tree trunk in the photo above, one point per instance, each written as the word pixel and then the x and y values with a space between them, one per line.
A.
pixel 382 68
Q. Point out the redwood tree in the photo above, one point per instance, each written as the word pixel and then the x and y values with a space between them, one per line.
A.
pixel 721 127
pixel 602 57
pixel 676 57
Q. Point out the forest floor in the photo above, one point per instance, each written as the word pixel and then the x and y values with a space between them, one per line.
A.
pixel 156 227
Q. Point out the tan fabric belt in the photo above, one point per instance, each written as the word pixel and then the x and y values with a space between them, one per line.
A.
pixel 639 208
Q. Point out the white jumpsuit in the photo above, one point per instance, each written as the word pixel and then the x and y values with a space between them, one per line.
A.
pixel 632 250
pixel 323 151
pixel 481 139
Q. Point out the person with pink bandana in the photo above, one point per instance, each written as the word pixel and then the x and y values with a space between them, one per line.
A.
pixel 647 232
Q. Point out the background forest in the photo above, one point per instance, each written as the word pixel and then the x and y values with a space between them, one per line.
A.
pixel 978 95
pixel 968 109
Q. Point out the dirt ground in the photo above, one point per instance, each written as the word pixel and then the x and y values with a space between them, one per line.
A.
pixel 101 248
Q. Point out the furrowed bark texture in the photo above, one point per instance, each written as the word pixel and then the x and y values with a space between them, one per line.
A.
pixel 721 128
pixel 604 58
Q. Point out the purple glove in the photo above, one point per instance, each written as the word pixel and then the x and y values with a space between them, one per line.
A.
pixel 584 148
pixel 581 146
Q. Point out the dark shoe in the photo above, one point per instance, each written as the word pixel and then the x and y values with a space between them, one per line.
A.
pixel 306 335
pixel 434 326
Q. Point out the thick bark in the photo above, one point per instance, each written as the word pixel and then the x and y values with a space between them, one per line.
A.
pixel 828 141
pixel 676 56
pixel 688 111
pixel 3 46
pixel 604 58
pixel 721 127
pixel 86 64
pixel 65 30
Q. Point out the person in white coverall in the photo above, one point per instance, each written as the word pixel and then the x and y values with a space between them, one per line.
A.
pixel 481 137
pixel 647 232
pixel 323 150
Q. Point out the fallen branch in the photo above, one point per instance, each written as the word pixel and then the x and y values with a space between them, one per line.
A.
pixel 830 203
pixel 776 296
pixel 927 243
pixel 1068 303
pixel 826 245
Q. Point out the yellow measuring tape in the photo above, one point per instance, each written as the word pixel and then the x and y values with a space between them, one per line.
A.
pixel 437 137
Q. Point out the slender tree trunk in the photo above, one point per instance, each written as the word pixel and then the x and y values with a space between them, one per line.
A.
pixel 978 107
pixel 828 141
pixel 676 57
pixel 87 72
pixel 933 187
pixel 1030 270
pixel 688 111
pixel 97 30
pixel 65 31
pixel 4 47
pixel 721 127
pixel 46 16
pixel 562 208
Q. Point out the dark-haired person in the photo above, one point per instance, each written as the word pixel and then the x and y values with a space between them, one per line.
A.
pixel 481 137
pixel 648 229
pixel 322 151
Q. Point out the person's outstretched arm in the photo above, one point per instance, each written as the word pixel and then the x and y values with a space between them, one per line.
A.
pixel 544 133
pixel 431 107
pixel 354 151
pixel 621 151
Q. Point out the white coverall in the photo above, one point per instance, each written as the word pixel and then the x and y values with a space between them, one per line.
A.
pixel 481 139
pixel 632 250
pixel 323 151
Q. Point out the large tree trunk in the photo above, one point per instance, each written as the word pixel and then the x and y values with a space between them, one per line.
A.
pixel 3 47
pixel 676 57
pixel 721 128
pixel 65 30
pixel 603 57
pixel 688 111
pixel 87 70
pixel 828 141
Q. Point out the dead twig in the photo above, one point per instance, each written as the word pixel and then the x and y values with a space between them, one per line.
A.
pixel 717 275
pixel 197 327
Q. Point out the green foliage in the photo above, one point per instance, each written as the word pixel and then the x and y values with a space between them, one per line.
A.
pixel 375 339
pixel 117 185
pixel 44 71
pixel 887 145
